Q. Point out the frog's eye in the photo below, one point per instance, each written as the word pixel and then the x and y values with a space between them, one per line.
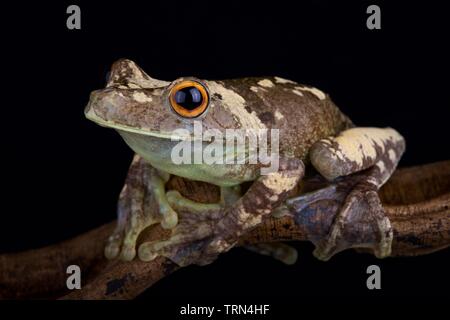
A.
pixel 189 98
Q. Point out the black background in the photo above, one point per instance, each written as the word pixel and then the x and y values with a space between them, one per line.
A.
pixel 62 174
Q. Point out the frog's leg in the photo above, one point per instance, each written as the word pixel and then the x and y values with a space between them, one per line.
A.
pixel 142 202
pixel 375 150
pixel 229 196
pixel 200 238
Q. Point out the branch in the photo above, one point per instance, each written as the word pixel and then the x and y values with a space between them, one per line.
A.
pixel 416 200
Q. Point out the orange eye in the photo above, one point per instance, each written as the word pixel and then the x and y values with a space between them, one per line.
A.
pixel 189 99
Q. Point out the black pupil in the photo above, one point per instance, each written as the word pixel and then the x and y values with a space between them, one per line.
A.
pixel 189 98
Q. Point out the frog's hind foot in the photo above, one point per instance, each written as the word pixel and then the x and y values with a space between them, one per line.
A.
pixel 361 223
pixel 357 162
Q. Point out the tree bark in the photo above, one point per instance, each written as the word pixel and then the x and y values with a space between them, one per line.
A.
pixel 416 200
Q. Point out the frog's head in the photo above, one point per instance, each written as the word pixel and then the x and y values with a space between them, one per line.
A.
pixel 134 102
pixel 148 112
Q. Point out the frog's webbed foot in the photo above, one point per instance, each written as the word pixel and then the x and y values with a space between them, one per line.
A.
pixel 195 226
pixel 359 162
pixel 188 239
pixel 229 196
pixel 362 209
pixel 206 230
pixel 142 203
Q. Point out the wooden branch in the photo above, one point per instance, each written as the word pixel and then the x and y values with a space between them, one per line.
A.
pixel 417 201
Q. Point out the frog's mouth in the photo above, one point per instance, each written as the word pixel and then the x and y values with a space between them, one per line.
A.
pixel 90 114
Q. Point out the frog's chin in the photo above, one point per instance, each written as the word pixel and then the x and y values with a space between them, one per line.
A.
pixel 164 154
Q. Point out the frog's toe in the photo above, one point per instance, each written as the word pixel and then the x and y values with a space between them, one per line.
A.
pixel 128 251
pixel 184 245
pixel 112 248
pixel 169 218
pixel 148 251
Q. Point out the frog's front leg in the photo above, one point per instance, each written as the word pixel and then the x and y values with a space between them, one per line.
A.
pixel 205 231
pixel 229 196
pixel 375 150
pixel 142 202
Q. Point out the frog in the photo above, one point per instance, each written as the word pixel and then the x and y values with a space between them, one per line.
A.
pixel 314 135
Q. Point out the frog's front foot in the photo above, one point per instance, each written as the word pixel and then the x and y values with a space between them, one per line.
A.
pixel 206 230
pixel 188 239
pixel 142 203
pixel 194 231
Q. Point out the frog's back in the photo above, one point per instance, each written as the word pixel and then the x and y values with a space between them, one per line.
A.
pixel 303 114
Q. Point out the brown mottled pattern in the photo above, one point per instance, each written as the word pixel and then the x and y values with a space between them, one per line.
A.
pixel 302 120
pixel 305 119
pixel 323 156
pixel 303 115
pixel 257 204
pixel 362 200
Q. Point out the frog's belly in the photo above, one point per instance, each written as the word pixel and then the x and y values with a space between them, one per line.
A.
pixel 164 155
pixel 221 175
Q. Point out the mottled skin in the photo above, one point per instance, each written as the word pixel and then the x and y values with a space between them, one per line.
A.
pixel 137 106
pixel 304 119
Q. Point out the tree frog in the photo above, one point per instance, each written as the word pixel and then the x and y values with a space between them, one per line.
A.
pixel 313 135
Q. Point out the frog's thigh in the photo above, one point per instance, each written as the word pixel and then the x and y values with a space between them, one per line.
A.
pixel 357 149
